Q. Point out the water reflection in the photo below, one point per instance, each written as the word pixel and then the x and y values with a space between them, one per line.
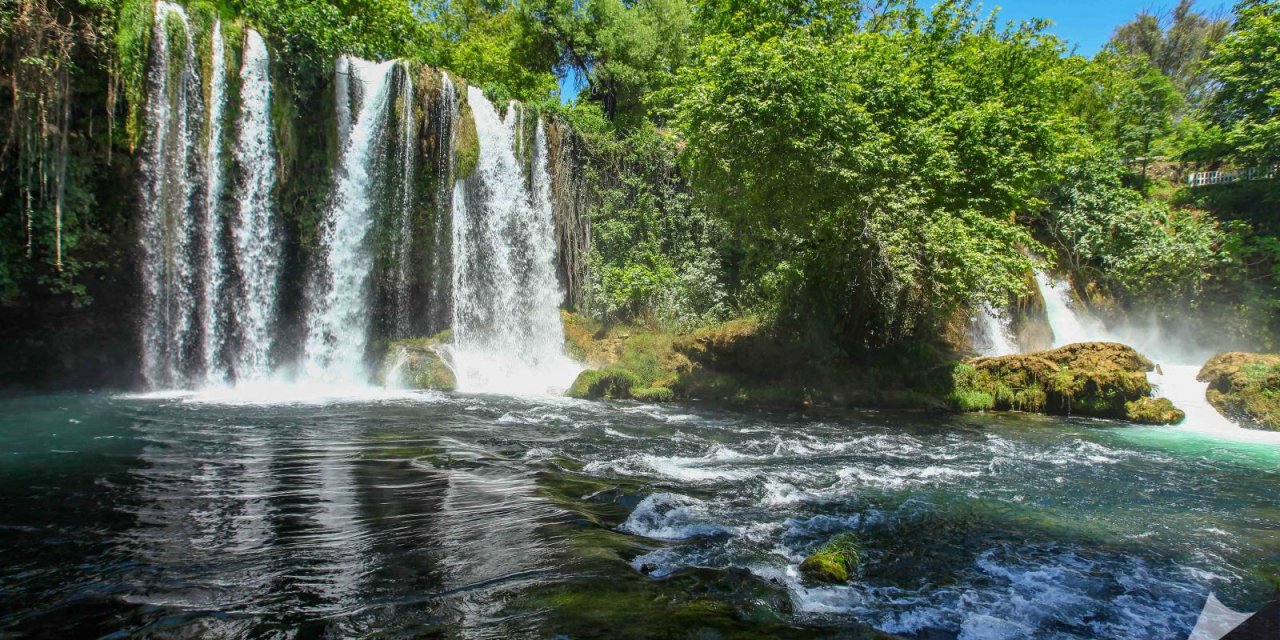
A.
pixel 486 517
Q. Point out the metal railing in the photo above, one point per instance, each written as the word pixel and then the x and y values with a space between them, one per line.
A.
pixel 1206 178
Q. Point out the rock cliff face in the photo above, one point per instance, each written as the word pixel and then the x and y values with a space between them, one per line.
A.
pixel 1245 387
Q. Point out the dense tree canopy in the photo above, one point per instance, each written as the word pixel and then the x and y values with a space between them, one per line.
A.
pixel 874 172
pixel 1247 68
pixel 865 169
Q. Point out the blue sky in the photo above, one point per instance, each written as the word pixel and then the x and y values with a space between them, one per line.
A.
pixel 1088 24
pixel 1085 24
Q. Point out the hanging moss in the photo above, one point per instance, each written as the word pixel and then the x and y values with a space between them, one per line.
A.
pixel 466 152
pixel 133 41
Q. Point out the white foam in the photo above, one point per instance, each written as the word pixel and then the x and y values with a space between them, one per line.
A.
pixel 671 516
pixel 274 392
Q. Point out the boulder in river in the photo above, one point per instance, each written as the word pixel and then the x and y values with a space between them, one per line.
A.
pixel 833 562
pixel 417 363
pixel 1245 387
pixel 1153 411
pixel 1090 378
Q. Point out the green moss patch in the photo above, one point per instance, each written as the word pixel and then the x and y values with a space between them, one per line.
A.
pixel 833 562
pixel 1100 379
pixel 595 384
pixel 1245 387
pixel 466 153
pixel 417 363
pixel 1153 411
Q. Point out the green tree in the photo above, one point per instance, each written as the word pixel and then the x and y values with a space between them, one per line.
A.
pixel 1141 249
pixel 1145 104
pixel 491 45
pixel 872 163
pixel 625 51
pixel 1247 68
pixel 1176 43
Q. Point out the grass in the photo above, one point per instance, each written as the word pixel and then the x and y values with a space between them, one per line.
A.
pixel 834 561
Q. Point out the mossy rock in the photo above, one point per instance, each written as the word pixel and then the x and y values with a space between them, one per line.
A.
pixel 833 562
pixel 741 346
pixel 466 154
pixel 1091 378
pixel 416 363
pixel 653 394
pixel 1153 411
pixel 1245 387
pixel 594 384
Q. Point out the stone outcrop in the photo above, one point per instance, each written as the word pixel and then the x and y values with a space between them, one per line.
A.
pixel 1245 387
pixel 1102 379
pixel 418 363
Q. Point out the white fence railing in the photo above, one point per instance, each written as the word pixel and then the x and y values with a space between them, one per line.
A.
pixel 1206 178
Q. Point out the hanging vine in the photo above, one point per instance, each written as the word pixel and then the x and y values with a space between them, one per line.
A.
pixel 39 45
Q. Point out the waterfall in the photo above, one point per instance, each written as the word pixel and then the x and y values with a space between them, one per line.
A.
pixel 212 282
pixel 508 336
pixel 338 318
pixel 255 233
pixel 1175 376
pixel 440 287
pixel 402 249
pixel 993 333
pixel 172 178
pixel 1066 325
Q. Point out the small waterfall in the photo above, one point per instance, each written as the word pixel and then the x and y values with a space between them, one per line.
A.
pixel 212 282
pixel 1066 325
pixel 338 318
pixel 402 249
pixel 254 230
pixel 993 333
pixel 172 185
pixel 1175 376
pixel 508 337
pixel 344 99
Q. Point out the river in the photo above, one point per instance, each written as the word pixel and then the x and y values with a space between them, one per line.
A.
pixel 417 514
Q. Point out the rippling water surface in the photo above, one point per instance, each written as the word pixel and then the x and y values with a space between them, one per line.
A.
pixel 430 515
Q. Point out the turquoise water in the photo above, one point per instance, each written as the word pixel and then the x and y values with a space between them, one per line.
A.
pixel 472 516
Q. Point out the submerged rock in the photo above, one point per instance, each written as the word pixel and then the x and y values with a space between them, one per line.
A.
pixel 1099 379
pixel 417 363
pixel 1245 387
pixel 833 562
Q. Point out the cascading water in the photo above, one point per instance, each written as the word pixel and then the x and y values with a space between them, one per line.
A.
pixel 993 333
pixel 338 318
pixel 257 249
pixel 172 180
pixel 508 337
pixel 406 157
pixel 1175 377
pixel 1066 325
pixel 212 282
pixel 440 287
pixel 210 272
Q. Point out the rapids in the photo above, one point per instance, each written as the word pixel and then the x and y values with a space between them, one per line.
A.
pixel 369 511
